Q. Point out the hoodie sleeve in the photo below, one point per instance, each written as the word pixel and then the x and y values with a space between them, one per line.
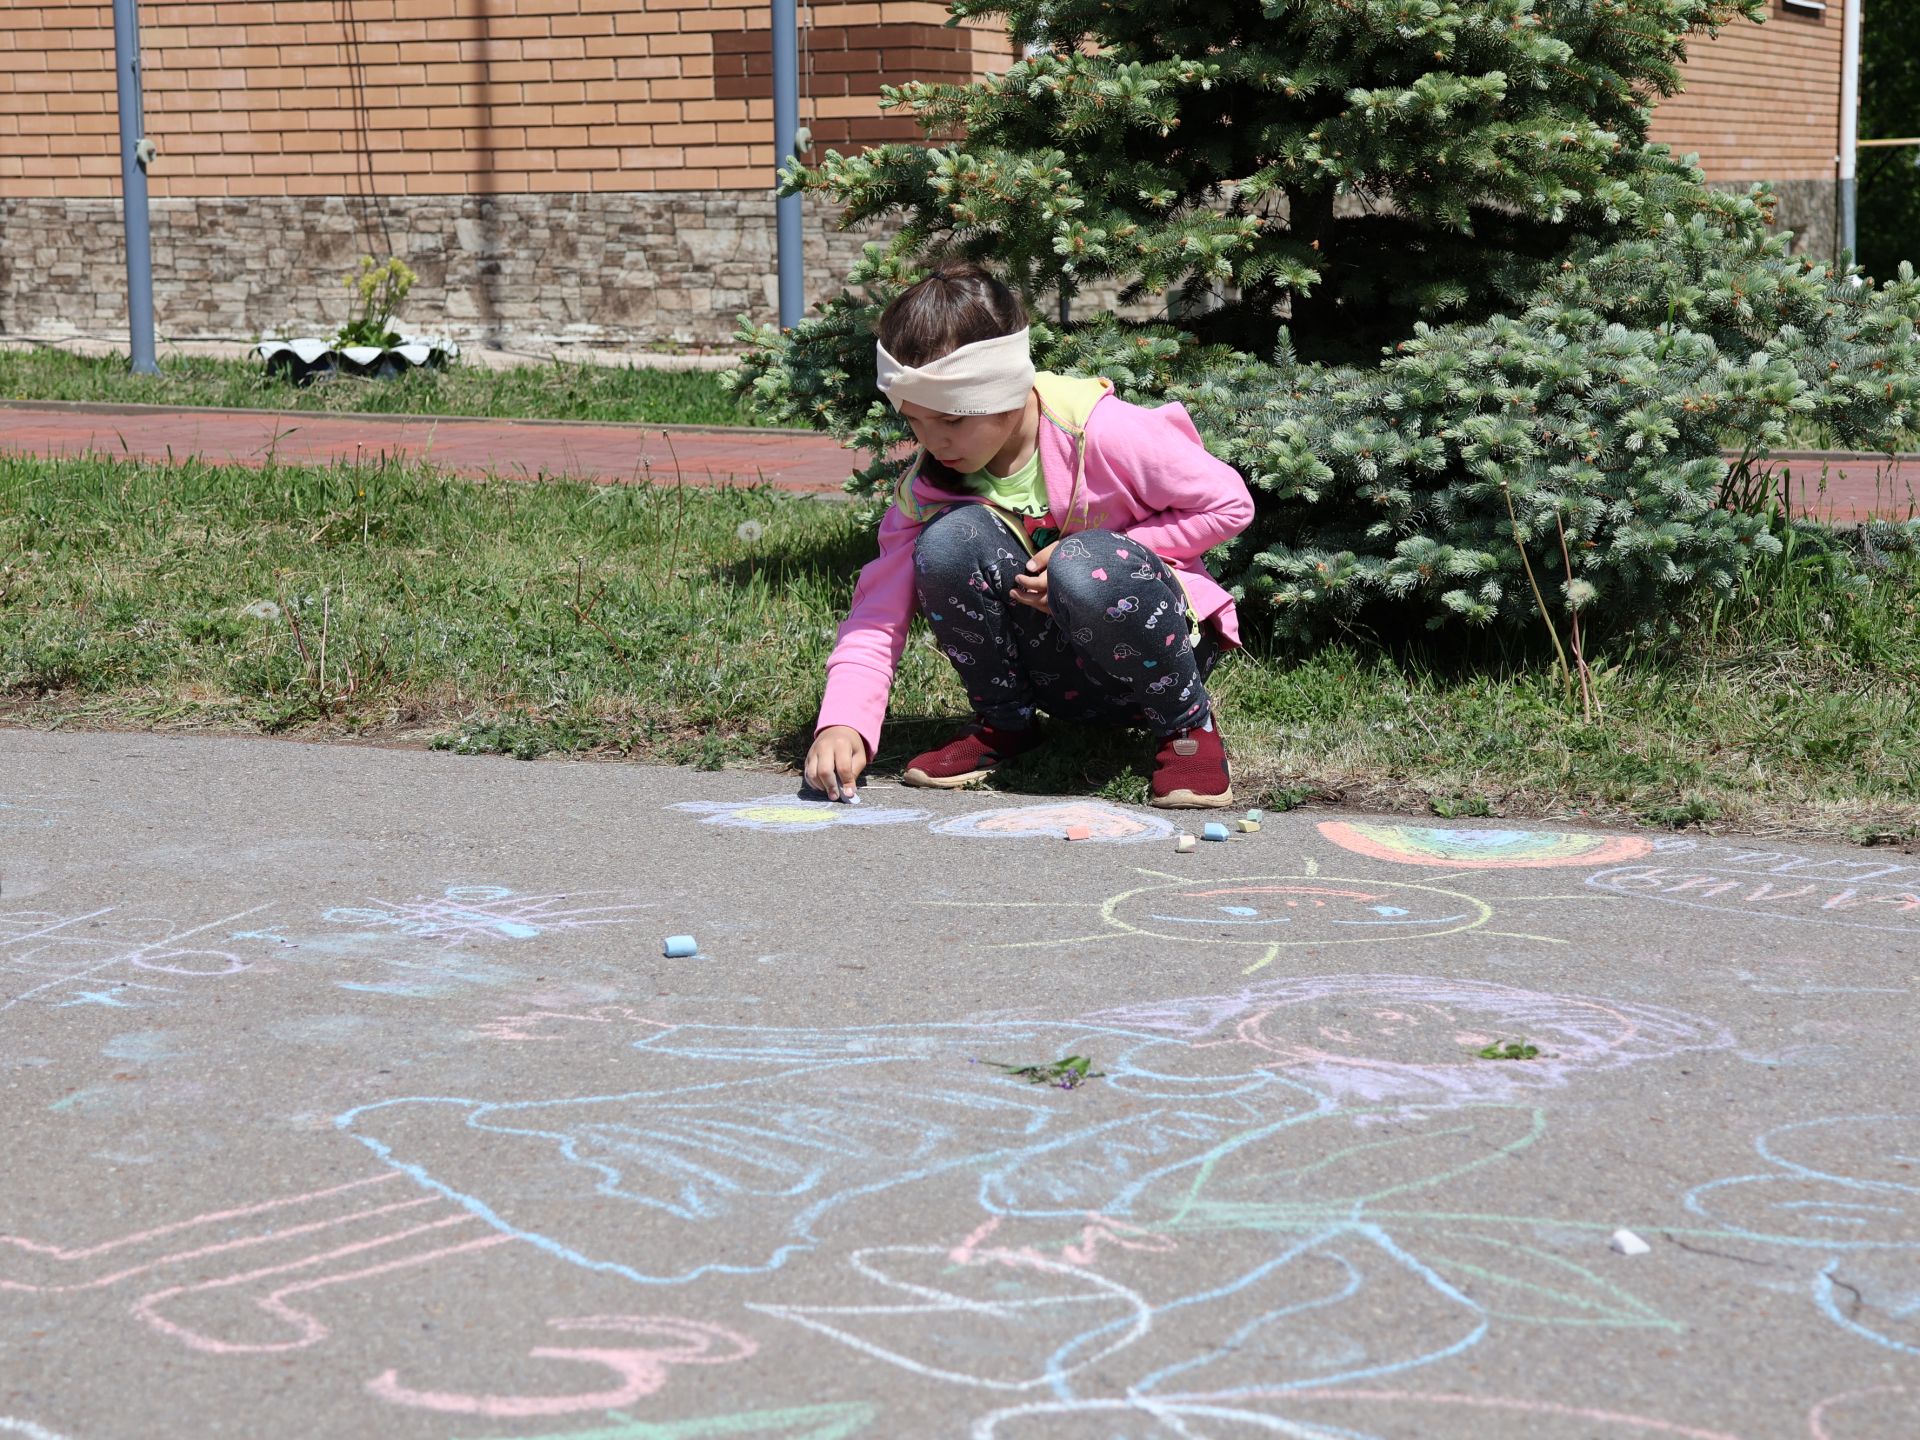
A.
pixel 1193 500
pixel 872 637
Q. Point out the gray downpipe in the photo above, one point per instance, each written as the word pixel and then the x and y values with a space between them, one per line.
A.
pixel 135 153
pixel 786 129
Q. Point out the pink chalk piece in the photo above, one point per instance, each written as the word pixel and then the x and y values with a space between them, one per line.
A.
pixel 1079 832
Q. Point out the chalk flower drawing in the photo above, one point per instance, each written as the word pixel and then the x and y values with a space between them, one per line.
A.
pixel 467 914
pixel 1486 849
pixel 787 814
pixel 1108 824
pixel 1844 1192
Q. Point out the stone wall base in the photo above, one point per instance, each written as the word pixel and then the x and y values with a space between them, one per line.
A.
pixel 1811 210
pixel 625 271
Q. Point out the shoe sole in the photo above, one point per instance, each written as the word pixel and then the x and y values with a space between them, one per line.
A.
pixel 1192 800
pixel 943 782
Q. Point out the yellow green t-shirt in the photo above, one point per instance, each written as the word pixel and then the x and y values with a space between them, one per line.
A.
pixel 1024 492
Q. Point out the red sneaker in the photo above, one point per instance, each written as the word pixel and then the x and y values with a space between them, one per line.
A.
pixel 1190 772
pixel 968 756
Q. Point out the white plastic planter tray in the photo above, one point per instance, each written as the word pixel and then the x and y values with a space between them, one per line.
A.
pixel 301 361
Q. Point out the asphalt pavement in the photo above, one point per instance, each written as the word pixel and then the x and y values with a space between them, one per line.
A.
pixel 349 1093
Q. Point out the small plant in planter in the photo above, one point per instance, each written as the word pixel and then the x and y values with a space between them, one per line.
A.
pixel 367 345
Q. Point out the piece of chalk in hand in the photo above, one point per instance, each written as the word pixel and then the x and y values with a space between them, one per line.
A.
pixel 851 797
pixel 1247 827
pixel 1214 831
pixel 678 947
pixel 1628 1243
pixel 1079 832
pixel 1183 843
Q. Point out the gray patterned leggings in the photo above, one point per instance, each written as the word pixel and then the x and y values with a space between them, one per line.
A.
pixel 1115 647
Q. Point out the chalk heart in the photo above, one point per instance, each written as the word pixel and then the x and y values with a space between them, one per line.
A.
pixel 1009 1317
pixel 1102 822
pixel 1099 574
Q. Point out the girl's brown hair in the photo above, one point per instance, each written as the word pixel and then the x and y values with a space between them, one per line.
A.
pixel 956 305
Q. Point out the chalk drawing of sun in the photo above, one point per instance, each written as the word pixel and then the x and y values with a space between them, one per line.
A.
pixel 785 814
pixel 1482 849
pixel 1258 916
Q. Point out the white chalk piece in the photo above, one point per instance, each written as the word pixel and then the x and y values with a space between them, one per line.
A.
pixel 852 797
pixel 1184 843
pixel 1247 827
pixel 1626 1242
pixel 678 947
pixel 1214 831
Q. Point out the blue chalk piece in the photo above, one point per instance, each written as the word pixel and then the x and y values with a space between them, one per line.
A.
pixel 1214 831
pixel 678 947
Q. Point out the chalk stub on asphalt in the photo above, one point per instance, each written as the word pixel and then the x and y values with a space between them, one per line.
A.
pixel 679 947
pixel 1625 1242
pixel 1247 827
pixel 1183 843
pixel 1079 832
pixel 1214 831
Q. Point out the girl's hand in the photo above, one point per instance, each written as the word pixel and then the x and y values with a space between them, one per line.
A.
pixel 1031 588
pixel 835 761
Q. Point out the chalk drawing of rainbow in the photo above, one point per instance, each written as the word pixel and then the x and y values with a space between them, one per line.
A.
pixel 1482 849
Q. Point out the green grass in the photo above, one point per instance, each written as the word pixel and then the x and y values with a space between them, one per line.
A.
pixel 637 621
pixel 555 391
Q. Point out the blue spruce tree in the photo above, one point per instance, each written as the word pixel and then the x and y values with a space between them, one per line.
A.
pixel 1416 268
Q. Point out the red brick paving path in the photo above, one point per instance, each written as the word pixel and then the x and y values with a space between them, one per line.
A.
pixel 787 460
pixel 1851 488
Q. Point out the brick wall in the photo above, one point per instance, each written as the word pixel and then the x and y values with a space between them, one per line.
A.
pixel 612 157
pixel 1762 101
pixel 452 97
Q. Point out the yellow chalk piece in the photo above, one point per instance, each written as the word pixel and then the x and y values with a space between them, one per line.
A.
pixel 1247 827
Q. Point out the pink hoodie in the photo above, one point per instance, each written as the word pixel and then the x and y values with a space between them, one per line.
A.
pixel 1108 465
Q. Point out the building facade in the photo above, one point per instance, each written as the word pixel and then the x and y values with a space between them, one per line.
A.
pixel 566 171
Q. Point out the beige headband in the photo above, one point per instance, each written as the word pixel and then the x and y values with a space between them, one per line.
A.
pixel 987 377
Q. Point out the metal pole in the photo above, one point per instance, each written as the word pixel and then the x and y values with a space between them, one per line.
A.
pixel 135 151
pixel 786 128
pixel 1849 123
